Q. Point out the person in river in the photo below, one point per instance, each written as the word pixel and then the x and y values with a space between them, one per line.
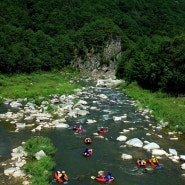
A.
pixel 87 152
pixel 63 176
pixel 155 161
pixel 111 103
pixel 76 126
pixel 108 177
pixel 141 162
pixel 101 174
pixel 88 140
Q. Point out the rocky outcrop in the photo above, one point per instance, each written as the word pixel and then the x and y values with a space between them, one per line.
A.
pixel 100 64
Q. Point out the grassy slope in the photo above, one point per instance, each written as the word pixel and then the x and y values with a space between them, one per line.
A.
pixel 37 84
pixel 165 108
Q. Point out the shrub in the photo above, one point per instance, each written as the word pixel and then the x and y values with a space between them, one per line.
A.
pixel 40 170
pixel 36 144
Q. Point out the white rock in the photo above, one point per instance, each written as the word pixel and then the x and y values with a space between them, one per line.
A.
pixel 151 146
pixel 82 102
pixel 183 166
pixel 146 142
pixel 121 138
pixel 25 183
pixel 20 125
pixel 116 118
pixel 18 173
pixel 40 154
pixel 15 104
pixel 126 156
pixel 9 171
pixel 172 151
pixel 182 157
pixel 126 130
pixel 174 138
pixel 61 125
pixel 95 134
pixel 39 128
pixel 20 163
pixel 135 142
pixel 159 152
pixel 103 96
pixel 132 128
pixel 89 121
pixel 176 157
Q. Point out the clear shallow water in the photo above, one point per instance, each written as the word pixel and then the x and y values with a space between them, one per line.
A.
pixel 106 152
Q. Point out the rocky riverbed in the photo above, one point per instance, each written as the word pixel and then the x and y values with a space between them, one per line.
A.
pixel 22 114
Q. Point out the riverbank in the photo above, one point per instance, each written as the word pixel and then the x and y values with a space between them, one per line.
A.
pixel 125 125
pixel 38 84
pixel 166 109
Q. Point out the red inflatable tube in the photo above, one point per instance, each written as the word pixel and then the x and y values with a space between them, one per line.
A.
pixel 87 141
pixel 103 131
pixel 139 164
pixel 87 154
pixel 59 179
pixel 104 180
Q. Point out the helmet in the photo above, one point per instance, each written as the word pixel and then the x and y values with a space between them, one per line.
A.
pixel 58 172
pixel 63 172
pixel 109 173
pixel 153 156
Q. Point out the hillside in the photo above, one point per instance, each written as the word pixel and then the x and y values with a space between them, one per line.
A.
pixel 43 35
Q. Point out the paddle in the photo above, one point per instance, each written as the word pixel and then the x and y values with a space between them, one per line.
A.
pixel 93 177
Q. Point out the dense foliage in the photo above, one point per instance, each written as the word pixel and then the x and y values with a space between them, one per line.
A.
pixel 45 34
pixel 35 144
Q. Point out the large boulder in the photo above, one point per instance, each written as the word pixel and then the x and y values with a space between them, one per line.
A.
pixel 159 152
pixel 151 146
pixel 172 151
pixel 135 142
pixel 183 166
pixel 182 157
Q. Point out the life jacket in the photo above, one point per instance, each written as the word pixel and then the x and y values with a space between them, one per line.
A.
pixel 154 160
pixel 64 177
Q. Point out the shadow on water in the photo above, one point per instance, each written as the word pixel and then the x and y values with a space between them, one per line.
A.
pixel 106 151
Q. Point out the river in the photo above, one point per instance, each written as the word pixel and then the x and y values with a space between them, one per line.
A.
pixel 107 151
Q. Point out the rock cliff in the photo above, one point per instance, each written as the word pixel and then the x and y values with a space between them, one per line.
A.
pixel 100 64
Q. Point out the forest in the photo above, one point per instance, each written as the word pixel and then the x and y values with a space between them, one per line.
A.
pixel 38 35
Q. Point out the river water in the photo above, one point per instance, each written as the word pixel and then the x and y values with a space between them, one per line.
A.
pixel 107 151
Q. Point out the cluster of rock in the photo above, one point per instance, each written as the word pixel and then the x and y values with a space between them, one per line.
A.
pixel 151 147
pixel 18 160
pixel 28 114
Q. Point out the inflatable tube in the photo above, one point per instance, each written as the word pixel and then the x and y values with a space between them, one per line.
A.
pixel 102 131
pixel 60 179
pixel 75 127
pixel 104 180
pixel 158 166
pixel 139 164
pixel 87 141
pixel 87 154
pixel 80 130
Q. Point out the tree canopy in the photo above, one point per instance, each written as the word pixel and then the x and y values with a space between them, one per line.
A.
pixel 43 35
